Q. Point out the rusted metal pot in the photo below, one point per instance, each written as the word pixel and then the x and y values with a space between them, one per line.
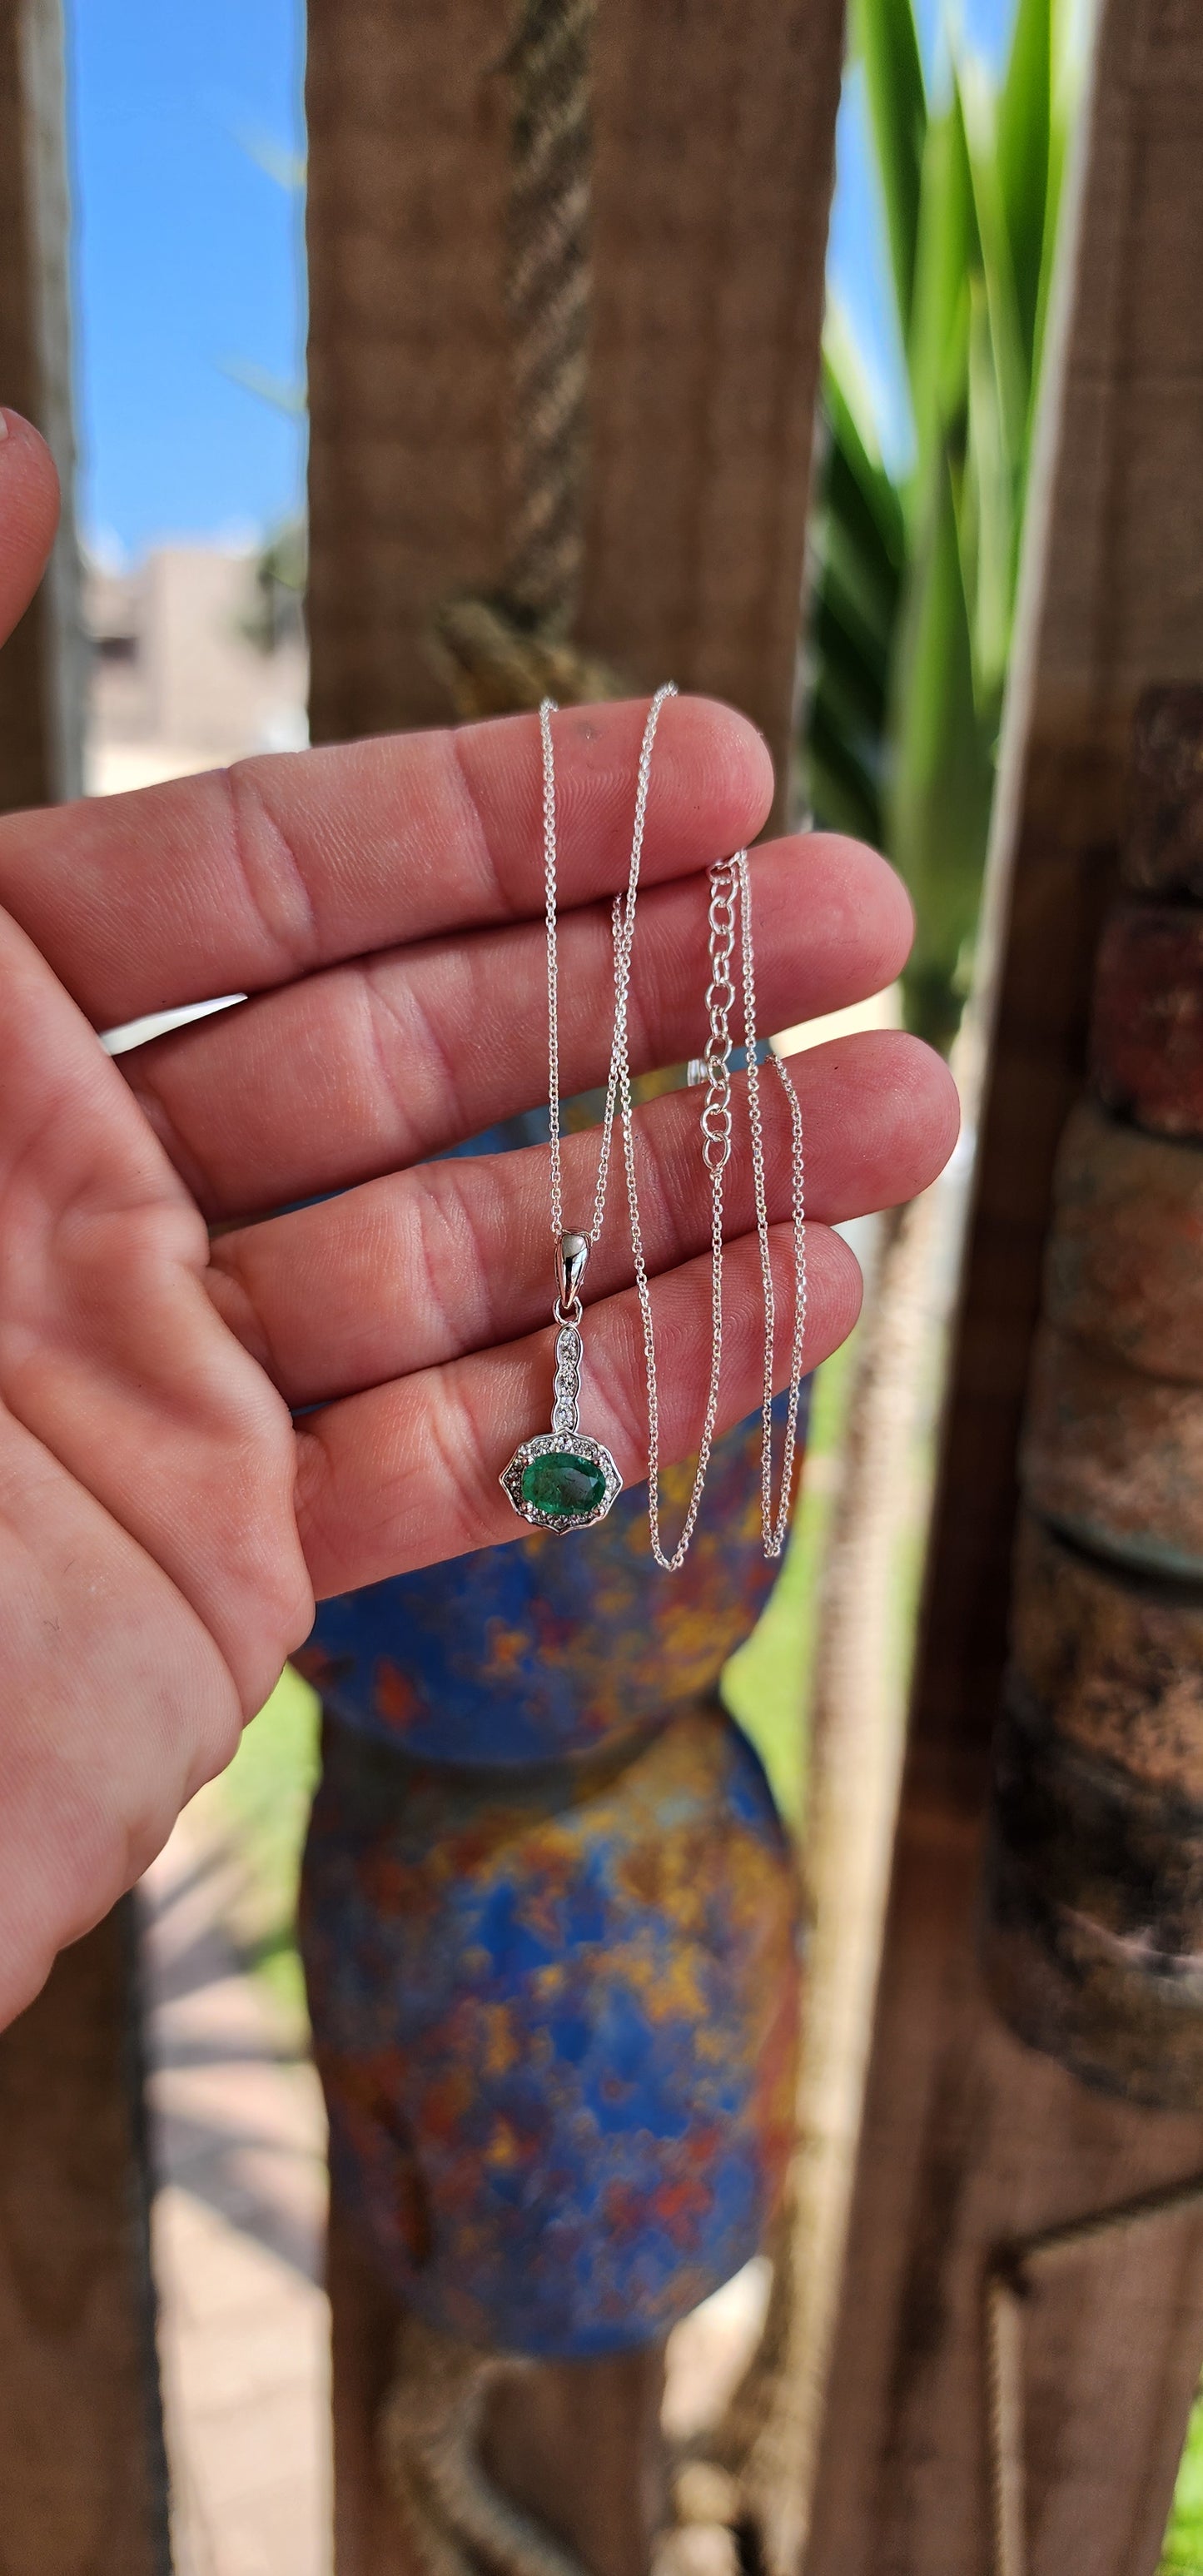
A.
pixel 1114 1661
pixel 1114 1458
pixel 1164 851
pixel 1093 1947
pixel 1093 1916
pixel 1147 1032
pixel 1093 1935
pixel 1124 1270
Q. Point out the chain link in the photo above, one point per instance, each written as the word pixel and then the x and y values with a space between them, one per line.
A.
pixel 774 1522
pixel 624 937
pixel 729 924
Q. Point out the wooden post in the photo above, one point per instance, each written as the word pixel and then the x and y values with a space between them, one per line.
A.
pixel 970 2142
pixel 83 2481
pixel 82 2471
pixel 712 167
pixel 714 157
pixel 42 667
pixel 713 142
pixel 408 388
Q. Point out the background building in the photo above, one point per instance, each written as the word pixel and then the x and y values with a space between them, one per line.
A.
pixel 198 656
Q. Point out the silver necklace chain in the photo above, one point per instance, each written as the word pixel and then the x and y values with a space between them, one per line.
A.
pixel 624 937
pixel 775 1523
pixel 730 911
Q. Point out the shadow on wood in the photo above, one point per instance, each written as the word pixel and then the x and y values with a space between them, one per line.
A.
pixel 83 2478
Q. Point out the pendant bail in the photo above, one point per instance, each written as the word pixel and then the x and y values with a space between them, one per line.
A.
pixel 572 1253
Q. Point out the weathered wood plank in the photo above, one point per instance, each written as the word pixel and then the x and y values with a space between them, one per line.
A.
pixel 713 151
pixel 712 176
pixel 368 2539
pixel 83 2484
pixel 408 383
pixel 714 154
pixel 577 2446
pixel 82 2472
pixel 41 667
pixel 969 2140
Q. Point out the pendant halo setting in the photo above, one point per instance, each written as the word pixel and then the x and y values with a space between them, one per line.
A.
pixel 561 1481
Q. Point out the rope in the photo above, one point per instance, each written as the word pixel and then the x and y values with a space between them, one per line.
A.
pixel 547 295
pixel 509 648
pixel 1004 2401
pixel 457 2521
pixel 495 665
pixel 1012 2277
pixel 1008 2287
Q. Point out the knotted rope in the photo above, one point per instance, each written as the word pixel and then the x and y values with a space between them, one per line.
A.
pixel 458 2523
pixel 456 2520
pixel 548 298
pixel 507 649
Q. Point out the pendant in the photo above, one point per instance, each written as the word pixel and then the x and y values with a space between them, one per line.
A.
pixel 562 1480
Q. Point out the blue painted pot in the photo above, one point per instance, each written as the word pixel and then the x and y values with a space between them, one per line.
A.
pixel 555 2020
pixel 552 1645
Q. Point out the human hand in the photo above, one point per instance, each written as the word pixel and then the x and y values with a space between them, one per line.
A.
pixel 164 1522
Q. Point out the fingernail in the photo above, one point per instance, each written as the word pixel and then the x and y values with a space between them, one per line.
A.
pixel 3 424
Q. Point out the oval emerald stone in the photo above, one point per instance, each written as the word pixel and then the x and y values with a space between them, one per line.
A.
pixel 561 1487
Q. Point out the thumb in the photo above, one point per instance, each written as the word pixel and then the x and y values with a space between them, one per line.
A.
pixel 28 515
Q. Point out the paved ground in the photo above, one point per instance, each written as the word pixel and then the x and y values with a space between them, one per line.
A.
pixel 238 2141
pixel 238 2138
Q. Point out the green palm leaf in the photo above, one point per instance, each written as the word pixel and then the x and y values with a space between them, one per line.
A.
pixel 946 253
pixel 938 799
pixel 1022 157
pixel 1010 343
pixel 884 32
pixel 915 572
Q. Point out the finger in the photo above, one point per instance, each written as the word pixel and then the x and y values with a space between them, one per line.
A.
pixel 247 877
pixel 415 1270
pixel 374 1065
pixel 28 515
pixel 407 1475
pixel 117 1706
pixel 110 1352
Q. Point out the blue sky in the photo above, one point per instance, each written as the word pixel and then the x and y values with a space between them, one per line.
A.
pixel 188 258
pixel 856 257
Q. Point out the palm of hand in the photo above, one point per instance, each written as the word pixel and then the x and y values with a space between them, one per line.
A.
pixel 165 1521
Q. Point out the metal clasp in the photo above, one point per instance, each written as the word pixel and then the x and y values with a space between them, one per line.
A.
pixel 572 1253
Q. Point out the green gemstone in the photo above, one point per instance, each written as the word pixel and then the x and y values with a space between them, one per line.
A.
pixel 561 1487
